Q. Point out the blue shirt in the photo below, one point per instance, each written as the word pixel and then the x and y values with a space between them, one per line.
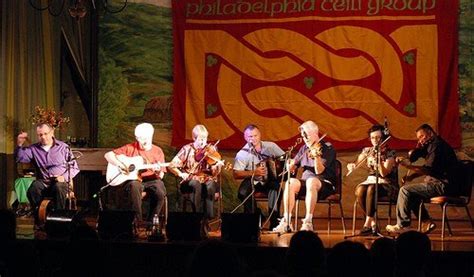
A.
pixel 248 159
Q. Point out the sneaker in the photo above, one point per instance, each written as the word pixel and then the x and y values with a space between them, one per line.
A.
pixel 396 228
pixel 427 226
pixel 307 225
pixel 283 226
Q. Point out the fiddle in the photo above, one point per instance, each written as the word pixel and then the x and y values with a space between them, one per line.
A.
pixel 316 149
pixel 372 154
pixel 420 151
pixel 210 155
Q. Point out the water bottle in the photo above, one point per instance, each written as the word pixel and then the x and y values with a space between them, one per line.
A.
pixel 156 225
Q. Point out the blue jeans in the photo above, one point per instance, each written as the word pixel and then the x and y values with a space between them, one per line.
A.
pixel 410 196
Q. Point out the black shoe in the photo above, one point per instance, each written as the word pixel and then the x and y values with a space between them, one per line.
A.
pixel 365 231
pixel 375 230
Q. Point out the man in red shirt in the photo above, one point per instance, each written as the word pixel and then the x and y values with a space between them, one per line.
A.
pixel 149 180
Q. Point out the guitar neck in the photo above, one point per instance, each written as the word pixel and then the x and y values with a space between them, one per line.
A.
pixel 151 166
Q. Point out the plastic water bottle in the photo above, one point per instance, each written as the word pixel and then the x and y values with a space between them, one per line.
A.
pixel 156 224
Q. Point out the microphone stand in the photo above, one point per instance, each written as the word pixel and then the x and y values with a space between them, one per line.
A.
pixel 69 160
pixel 99 193
pixel 287 183
pixel 375 232
pixel 252 193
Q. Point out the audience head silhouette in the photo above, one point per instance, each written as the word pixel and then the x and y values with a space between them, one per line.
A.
pixel 348 258
pixel 305 255
pixel 413 250
pixel 383 257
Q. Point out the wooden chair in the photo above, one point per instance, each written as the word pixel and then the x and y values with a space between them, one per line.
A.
pixel 464 181
pixel 331 199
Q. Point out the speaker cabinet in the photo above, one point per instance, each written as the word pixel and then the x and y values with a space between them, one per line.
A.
pixel 60 223
pixel 240 227
pixel 116 224
pixel 184 226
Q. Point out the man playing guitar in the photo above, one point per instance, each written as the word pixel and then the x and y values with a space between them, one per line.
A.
pixel 149 180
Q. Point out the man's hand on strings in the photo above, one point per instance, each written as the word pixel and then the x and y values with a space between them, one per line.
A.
pixel 183 175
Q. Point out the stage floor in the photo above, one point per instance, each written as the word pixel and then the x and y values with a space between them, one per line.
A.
pixel 462 239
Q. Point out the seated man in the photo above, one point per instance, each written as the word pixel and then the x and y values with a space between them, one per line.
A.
pixel 440 159
pixel 54 165
pixel 250 166
pixel 148 181
pixel 318 158
pixel 197 175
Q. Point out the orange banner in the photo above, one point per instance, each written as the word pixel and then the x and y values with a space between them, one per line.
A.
pixel 279 63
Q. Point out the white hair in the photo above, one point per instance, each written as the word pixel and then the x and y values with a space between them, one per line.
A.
pixel 144 130
pixel 309 126
pixel 199 130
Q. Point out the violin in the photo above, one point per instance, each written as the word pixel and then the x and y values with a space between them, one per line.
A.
pixel 316 150
pixel 210 155
pixel 372 154
pixel 420 150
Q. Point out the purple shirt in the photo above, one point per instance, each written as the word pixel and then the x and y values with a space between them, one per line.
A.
pixel 51 163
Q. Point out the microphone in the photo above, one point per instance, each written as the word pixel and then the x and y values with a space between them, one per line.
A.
pixel 386 131
pixel 251 147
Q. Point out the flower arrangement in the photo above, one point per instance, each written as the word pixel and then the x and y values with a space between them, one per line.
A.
pixel 49 117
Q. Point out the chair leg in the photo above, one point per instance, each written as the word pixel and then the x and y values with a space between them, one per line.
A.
pixel 166 210
pixel 354 210
pixel 443 221
pixel 342 218
pixel 447 220
pixel 419 216
pixel 470 218
pixel 218 219
pixel 297 207
pixel 329 218
pixel 389 220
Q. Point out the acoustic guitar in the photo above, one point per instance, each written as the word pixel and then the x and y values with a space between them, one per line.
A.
pixel 134 165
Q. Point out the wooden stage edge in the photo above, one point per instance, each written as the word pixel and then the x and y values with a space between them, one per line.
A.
pixel 461 241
